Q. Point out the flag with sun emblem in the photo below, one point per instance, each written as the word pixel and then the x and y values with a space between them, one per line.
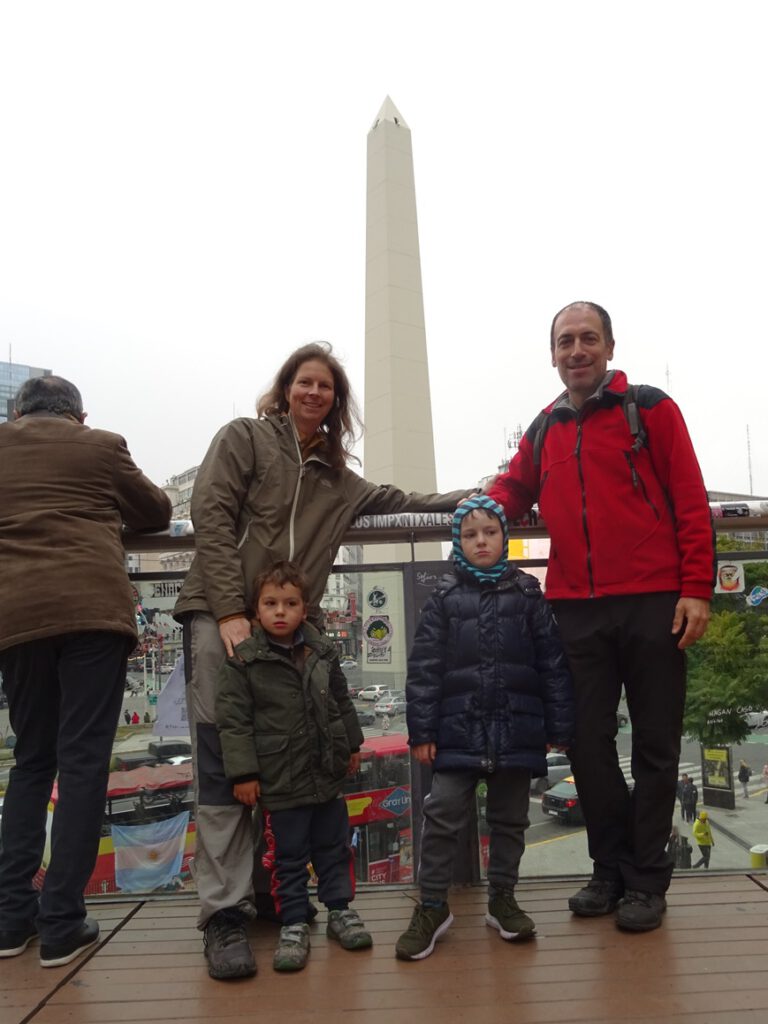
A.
pixel 149 856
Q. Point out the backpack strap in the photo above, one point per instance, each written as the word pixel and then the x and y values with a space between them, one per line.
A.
pixel 632 416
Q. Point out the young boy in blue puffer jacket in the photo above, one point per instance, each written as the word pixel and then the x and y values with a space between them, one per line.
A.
pixel 488 689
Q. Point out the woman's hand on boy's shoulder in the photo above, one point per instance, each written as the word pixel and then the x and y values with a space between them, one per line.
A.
pixel 233 632
pixel 425 753
pixel 247 793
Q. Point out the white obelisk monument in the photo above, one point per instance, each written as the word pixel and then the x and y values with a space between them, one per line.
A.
pixel 398 447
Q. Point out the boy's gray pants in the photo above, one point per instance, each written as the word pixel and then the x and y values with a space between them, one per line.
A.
pixel 447 809
pixel 224 865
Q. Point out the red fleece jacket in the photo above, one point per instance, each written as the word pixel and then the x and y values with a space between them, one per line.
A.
pixel 620 521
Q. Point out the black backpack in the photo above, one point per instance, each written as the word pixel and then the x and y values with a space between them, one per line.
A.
pixel 631 414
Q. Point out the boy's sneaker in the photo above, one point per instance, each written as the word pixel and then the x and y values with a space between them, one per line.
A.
pixel 426 927
pixel 507 918
pixel 640 911
pixel 292 947
pixel 596 898
pixel 15 940
pixel 60 953
pixel 226 945
pixel 346 927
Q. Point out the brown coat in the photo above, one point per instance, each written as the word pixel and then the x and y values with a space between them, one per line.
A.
pixel 65 492
pixel 255 502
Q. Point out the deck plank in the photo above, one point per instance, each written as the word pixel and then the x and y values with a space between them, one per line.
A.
pixel 706 963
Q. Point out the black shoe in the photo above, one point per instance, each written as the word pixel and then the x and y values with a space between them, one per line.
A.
pixel 596 898
pixel 15 940
pixel 640 911
pixel 60 953
pixel 227 949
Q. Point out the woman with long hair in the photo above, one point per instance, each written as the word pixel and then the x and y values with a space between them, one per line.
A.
pixel 272 488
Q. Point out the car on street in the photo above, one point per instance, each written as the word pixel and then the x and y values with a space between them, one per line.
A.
pixel 377 691
pixel 562 802
pixel 348 663
pixel 558 768
pixel 391 706
pixel 756 719
pixel 366 716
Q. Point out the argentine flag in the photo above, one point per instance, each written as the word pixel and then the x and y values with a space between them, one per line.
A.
pixel 149 856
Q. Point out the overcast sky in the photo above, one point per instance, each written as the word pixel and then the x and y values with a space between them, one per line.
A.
pixel 182 191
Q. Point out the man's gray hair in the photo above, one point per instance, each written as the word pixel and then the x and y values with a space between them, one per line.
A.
pixel 48 394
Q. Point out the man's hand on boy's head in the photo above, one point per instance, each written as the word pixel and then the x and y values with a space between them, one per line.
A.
pixel 425 753
pixel 354 763
pixel 247 793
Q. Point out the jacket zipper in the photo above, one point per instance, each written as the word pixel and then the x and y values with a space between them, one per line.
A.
pixel 292 519
pixel 584 511
pixel 637 480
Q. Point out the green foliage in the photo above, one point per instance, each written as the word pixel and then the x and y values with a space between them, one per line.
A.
pixel 727 675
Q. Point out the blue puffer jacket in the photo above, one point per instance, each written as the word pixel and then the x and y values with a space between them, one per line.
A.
pixel 488 682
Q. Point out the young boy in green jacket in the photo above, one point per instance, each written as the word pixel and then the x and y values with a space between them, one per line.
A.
pixel 290 735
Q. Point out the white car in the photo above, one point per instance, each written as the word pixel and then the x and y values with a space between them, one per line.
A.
pixel 558 769
pixel 376 692
pixel 756 719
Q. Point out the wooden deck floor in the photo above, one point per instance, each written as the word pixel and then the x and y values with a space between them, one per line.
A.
pixel 708 964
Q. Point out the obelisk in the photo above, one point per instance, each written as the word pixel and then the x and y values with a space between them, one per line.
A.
pixel 399 446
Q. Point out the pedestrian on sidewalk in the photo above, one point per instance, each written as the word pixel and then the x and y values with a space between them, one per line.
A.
pixel 745 773
pixel 702 833
pixel 689 797
pixel 765 780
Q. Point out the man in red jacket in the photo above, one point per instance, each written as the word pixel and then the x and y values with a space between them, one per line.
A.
pixel 630 577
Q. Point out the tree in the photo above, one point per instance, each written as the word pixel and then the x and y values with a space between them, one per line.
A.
pixel 727 675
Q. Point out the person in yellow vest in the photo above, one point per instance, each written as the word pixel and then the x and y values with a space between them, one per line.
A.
pixel 702 833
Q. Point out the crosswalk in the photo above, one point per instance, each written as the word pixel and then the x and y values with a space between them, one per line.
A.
pixel 694 771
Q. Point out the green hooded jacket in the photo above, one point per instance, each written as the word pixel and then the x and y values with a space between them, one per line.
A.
pixel 290 725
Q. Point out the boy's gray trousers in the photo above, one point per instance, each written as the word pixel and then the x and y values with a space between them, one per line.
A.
pixel 447 810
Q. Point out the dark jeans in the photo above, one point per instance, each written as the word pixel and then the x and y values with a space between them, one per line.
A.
pixel 64 697
pixel 610 641
pixel 318 833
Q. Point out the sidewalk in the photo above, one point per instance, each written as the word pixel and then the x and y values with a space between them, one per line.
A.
pixel 745 826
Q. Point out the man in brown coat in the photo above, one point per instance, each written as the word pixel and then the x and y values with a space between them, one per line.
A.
pixel 67 625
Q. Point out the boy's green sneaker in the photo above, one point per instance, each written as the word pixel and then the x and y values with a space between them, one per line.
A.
pixel 507 918
pixel 347 928
pixel 426 927
pixel 292 947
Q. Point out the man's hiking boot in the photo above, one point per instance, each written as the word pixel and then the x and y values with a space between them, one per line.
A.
pixel 292 947
pixel 14 941
pixel 347 928
pixel 596 898
pixel 426 927
pixel 507 918
pixel 640 911
pixel 227 949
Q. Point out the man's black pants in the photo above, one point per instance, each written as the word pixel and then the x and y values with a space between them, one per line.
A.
pixel 609 642
pixel 64 698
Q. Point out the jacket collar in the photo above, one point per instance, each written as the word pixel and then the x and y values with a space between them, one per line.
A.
pixel 258 648
pixel 613 385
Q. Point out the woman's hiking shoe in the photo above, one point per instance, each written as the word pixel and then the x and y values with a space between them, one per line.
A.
pixel 596 898
pixel 640 911
pixel 507 918
pixel 292 947
pixel 426 927
pixel 226 946
pixel 347 928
